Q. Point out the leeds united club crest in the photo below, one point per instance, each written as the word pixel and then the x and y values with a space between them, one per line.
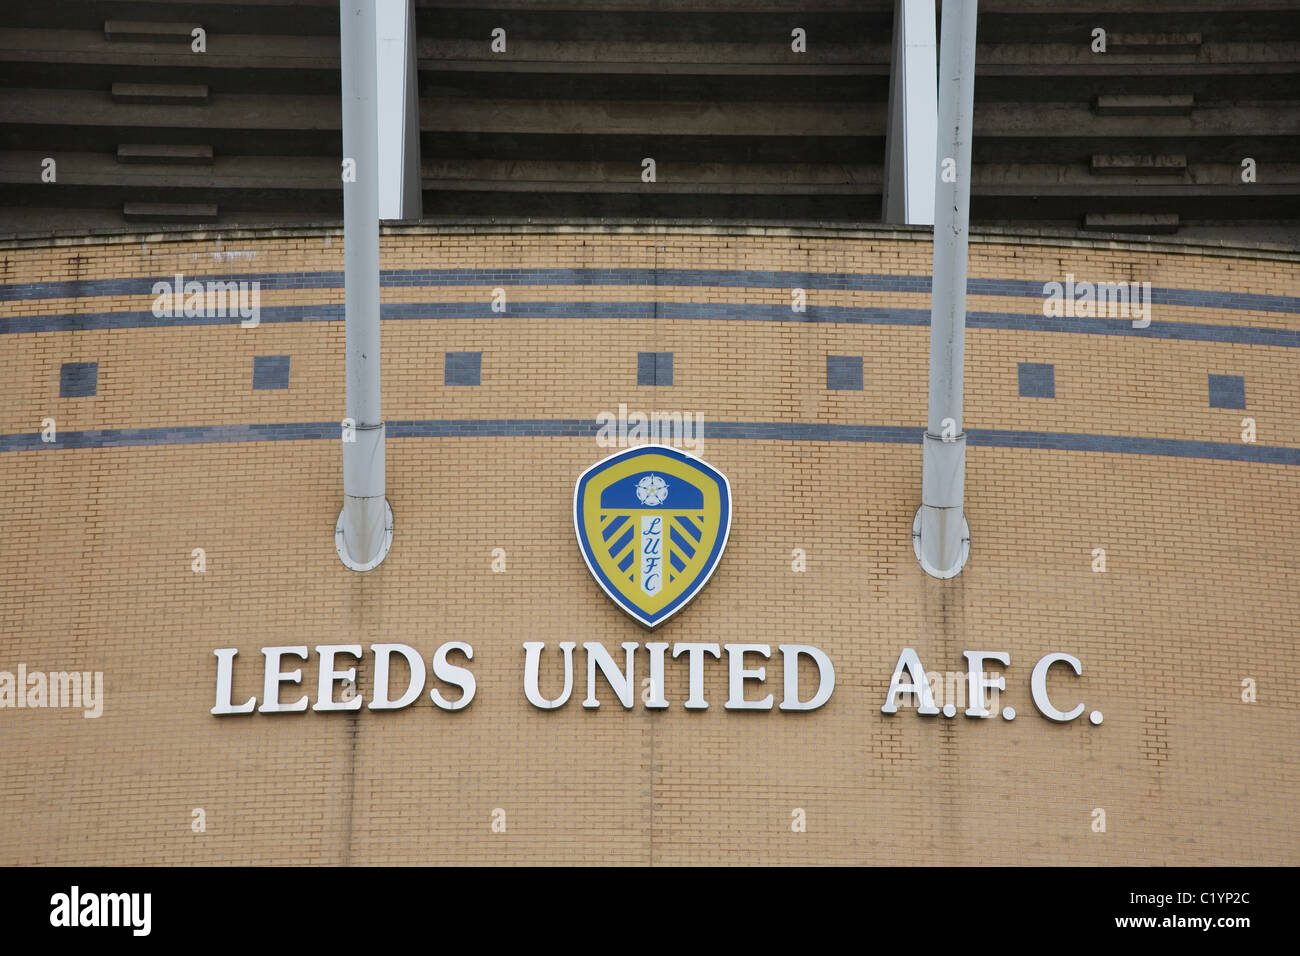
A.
pixel 652 523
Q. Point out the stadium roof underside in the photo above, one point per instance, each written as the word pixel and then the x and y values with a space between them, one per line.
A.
pixel 1153 135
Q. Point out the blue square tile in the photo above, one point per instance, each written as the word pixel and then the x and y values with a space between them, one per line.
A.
pixel 462 368
pixel 645 368
pixel 844 372
pixel 663 368
pixel 1037 380
pixel 270 371
pixel 78 379
pixel 1227 391
pixel 654 368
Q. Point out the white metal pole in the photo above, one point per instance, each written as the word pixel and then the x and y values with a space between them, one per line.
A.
pixel 364 531
pixel 913 117
pixel 941 536
pixel 398 111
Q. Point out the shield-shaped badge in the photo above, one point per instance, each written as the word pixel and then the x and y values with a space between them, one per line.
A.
pixel 652 523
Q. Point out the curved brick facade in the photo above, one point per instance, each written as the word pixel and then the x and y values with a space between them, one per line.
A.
pixel 1085 433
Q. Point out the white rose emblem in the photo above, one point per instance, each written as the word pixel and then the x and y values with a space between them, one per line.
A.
pixel 651 490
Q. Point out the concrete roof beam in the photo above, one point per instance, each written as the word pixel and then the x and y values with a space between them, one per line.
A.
pixel 150 32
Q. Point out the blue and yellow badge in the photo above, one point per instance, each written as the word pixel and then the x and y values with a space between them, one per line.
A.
pixel 652 523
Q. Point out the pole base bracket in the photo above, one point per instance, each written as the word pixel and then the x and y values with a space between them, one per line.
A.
pixel 341 547
pixel 929 568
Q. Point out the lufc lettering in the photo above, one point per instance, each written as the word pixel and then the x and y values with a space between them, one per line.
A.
pixel 337 686
pixel 652 539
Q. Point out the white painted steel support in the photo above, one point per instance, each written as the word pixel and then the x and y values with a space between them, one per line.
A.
pixel 940 534
pixel 399 111
pixel 913 116
pixel 364 531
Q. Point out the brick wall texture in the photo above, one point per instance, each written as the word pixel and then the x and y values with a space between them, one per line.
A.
pixel 1199 528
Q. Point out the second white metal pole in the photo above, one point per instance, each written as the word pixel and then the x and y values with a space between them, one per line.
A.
pixel 940 532
pixel 365 526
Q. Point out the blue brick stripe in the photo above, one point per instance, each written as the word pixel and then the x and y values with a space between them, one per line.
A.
pixel 587 428
pixel 731 278
pixel 705 311
pixel 143 285
pixel 83 321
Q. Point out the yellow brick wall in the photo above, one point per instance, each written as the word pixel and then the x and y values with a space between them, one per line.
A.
pixel 1200 590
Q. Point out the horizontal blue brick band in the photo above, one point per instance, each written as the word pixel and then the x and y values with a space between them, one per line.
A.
pixel 84 321
pixel 584 428
pixel 707 311
pixel 735 278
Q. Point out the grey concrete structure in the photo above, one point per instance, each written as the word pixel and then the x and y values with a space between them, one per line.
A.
pixel 741 125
